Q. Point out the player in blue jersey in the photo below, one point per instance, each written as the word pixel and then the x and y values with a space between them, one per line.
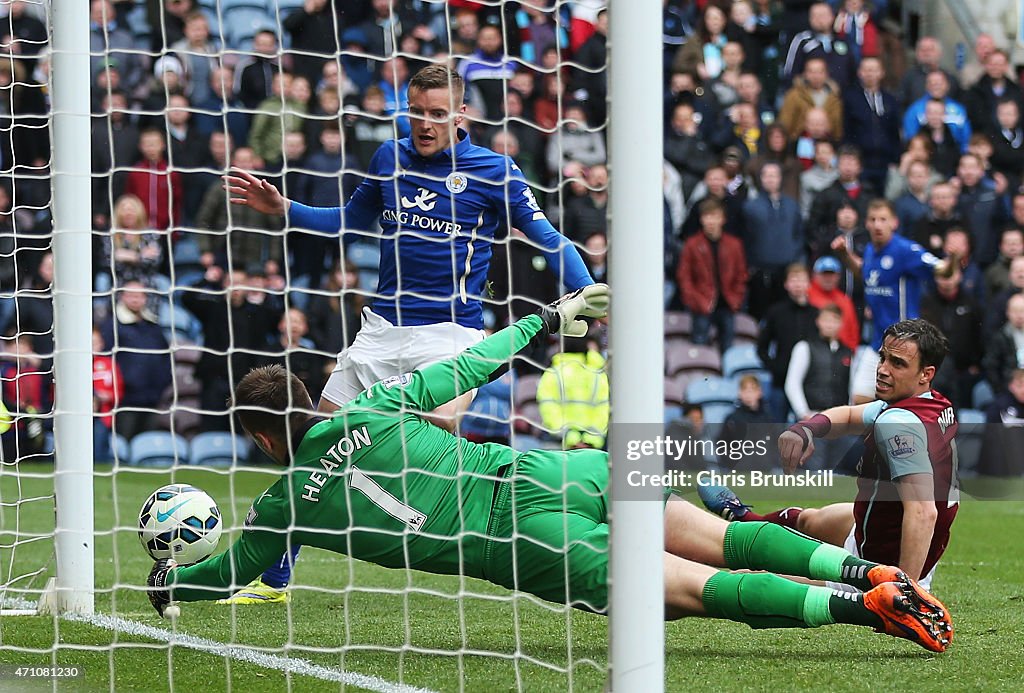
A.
pixel 893 269
pixel 440 201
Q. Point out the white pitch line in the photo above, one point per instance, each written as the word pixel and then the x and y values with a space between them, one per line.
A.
pixel 292 665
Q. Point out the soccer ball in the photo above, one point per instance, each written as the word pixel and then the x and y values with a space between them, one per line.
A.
pixel 181 522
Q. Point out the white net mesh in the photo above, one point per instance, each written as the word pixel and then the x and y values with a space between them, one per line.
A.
pixel 190 292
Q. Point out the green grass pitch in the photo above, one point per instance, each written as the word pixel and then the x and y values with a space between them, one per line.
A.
pixel 414 628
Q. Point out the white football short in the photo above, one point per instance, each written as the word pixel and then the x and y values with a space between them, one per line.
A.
pixel 851 546
pixel 863 378
pixel 381 350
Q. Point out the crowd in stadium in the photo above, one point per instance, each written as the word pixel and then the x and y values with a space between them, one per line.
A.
pixel 783 123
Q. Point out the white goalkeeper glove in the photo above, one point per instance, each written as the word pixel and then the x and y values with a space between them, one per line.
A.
pixel 563 315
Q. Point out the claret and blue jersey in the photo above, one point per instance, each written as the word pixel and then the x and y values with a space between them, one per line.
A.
pixel 439 216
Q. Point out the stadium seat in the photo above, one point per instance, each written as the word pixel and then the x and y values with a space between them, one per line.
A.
pixel 673 412
pixel 121 448
pixel 691 357
pixel 715 414
pixel 177 321
pixel 526 389
pixel 138 22
pixel 183 419
pixel 739 359
pixel 188 354
pixel 982 395
pixel 368 280
pixel 298 292
pixel 678 324
pixel 970 440
pixel 241 23
pixel 158 449
pixel 185 384
pixel 675 391
pixel 365 256
pixel 231 5
pixel 746 329
pixel 285 7
pixel 218 449
pixel 711 390
pixel 968 417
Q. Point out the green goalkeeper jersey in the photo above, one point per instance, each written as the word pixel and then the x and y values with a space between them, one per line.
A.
pixel 378 483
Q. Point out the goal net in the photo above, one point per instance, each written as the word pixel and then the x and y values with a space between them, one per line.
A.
pixel 189 292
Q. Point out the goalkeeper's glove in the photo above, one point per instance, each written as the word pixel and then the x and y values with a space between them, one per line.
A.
pixel 159 593
pixel 562 316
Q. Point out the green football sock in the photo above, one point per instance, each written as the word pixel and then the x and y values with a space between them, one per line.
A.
pixel 777 549
pixel 762 600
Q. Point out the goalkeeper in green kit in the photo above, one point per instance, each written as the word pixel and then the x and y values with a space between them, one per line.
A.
pixel 378 483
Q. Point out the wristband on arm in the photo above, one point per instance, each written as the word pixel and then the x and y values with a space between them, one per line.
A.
pixel 817 426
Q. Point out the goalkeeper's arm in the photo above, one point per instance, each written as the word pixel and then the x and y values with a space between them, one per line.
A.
pixel 441 382
pixel 256 550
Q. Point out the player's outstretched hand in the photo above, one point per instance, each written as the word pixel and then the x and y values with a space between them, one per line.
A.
pixel 159 595
pixel 563 315
pixel 246 189
pixel 794 449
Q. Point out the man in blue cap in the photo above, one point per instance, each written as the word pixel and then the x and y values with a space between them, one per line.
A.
pixel 826 288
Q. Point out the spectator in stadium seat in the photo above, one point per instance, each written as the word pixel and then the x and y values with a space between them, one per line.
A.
pixel 573 396
pixel 820 42
pixel 115 145
pixel 235 329
pixel 787 322
pixel 24 35
pixel 683 87
pixel 812 89
pixel 595 254
pixel 367 126
pixel 937 87
pixel 296 352
pixel 1004 351
pixel 169 78
pixel 466 28
pixel 820 176
pixel 872 122
pixel 1007 141
pixel 725 86
pixel 143 356
pixel 1004 433
pixel 775 147
pixel 993 87
pixel 982 207
pixel 945 149
pixel 107 393
pixel 26 387
pixel 109 41
pixel 690 427
pixel 701 55
pixel 958 316
pixel 818 378
pixel 750 421
pixel 816 129
pixel 912 205
pixel 825 290
pixel 850 187
pixel 972 281
pixel 131 251
pixel 714 186
pixel 919 148
pixel 685 148
pixel 255 74
pixel 333 314
pixel 151 180
pixel 313 28
pixel 927 59
pixel 486 71
pixel 394 83
pixel 712 276
pixel 293 169
pixel 943 214
pixel 250 241
pixel 774 239
pixel 276 115
pixel 590 84
pixel 168 27
pixel 743 134
pixel 576 141
pixel 505 142
pixel 1011 245
pixel 849 225
pixel 222 107
pixel 199 55
pixel 588 215
pixel 855 25
pixel 996 315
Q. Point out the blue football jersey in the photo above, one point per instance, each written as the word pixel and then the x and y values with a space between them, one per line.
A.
pixel 892 282
pixel 439 216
